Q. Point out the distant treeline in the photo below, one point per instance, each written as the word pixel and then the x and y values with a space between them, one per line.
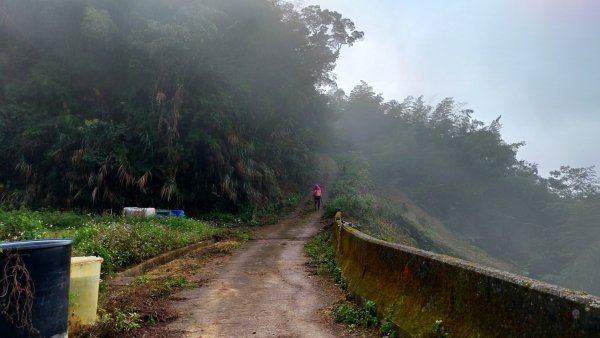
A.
pixel 198 104
pixel 461 171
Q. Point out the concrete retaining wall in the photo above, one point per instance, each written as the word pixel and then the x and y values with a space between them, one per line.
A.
pixel 421 287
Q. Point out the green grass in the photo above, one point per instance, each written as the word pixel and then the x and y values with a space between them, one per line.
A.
pixel 320 250
pixel 322 258
pixel 120 241
pixel 169 284
pixel 353 316
pixel 351 192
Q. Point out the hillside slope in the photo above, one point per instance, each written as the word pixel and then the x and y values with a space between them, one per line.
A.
pixel 429 233
pixel 385 212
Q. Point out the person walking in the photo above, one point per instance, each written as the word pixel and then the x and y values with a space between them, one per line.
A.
pixel 317 196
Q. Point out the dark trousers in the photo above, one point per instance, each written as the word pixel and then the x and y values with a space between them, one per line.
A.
pixel 317 202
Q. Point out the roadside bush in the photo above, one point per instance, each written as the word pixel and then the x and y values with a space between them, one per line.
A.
pixel 65 219
pixel 351 191
pixel 221 218
pixel 364 317
pixel 120 241
pixel 292 201
pixel 357 206
pixel 320 250
pixel 119 322
pixel 128 241
pixel 21 225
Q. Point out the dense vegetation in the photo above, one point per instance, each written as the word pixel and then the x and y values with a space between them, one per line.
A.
pixel 210 104
pixel 120 241
pixel 461 171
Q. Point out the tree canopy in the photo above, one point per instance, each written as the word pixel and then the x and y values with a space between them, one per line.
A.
pixel 203 104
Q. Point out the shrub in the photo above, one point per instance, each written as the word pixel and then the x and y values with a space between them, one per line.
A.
pixel 118 322
pixel 120 241
pixel 364 317
pixel 292 201
pixel 65 220
pixel 222 218
pixel 357 206
pixel 126 241
pixel 439 330
pixel 21 225
pixel 387 327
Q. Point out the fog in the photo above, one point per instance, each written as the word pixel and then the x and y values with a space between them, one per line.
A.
pixel 533 62
pixel 217 105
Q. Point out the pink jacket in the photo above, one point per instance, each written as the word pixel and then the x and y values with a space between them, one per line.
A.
pixel 317 191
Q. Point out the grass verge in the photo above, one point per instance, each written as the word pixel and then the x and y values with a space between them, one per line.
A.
pixel 356 317
pixel 120 241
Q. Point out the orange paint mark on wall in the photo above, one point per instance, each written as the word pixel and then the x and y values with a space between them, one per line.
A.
pixel 407 274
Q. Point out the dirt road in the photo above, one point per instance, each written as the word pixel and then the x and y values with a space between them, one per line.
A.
pixel 264 289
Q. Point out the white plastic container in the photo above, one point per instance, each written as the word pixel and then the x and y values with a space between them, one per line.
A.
pixel 149 212
pixel 140 212
pixel 83 292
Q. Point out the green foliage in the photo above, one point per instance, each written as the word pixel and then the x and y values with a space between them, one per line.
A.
pixel 118 322
pixel 169 284
pixel 577 183
pixel 350 190
pixel 203 105
pixel 21 225
pixel 177 282
pixel 65 219
pixel 141 280
pixel 353 317
pixel 359 206
pixel 292 201
pixel 126 241
pixel 439 330
pixel 222 218
pixel 320 250
pixel 387 327
pixel 119 241
pixel 97 25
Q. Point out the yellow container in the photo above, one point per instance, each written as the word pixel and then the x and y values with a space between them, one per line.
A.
pixel 83 292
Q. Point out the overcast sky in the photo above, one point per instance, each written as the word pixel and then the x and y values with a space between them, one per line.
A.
pixel 535 62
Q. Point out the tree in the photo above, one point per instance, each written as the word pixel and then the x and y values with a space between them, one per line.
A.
pixel 578 183
pixel 204 104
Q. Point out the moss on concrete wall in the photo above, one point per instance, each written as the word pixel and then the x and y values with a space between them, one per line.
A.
pixel 473 301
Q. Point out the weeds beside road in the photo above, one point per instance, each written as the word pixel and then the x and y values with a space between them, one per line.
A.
pixel 120 241
pixel 362 320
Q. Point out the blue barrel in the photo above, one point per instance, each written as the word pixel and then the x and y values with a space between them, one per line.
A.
pixel 178 213
pixel 48 263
